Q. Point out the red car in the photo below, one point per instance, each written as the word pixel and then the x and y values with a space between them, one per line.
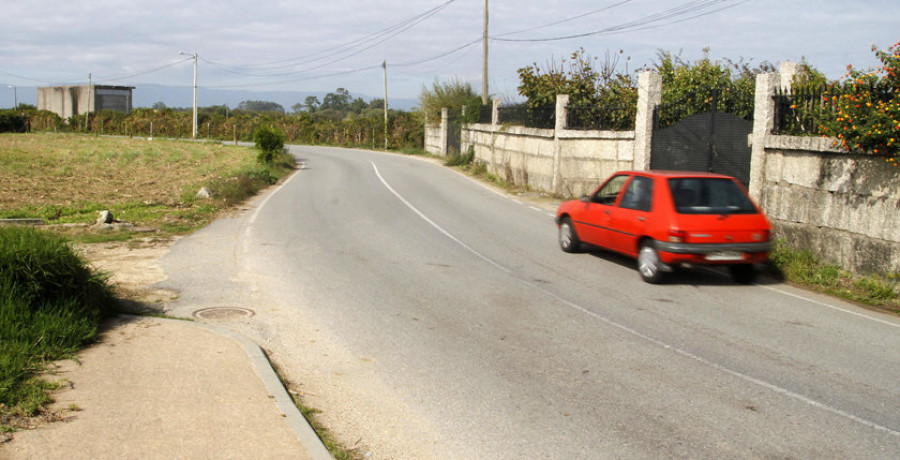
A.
pixel 667 218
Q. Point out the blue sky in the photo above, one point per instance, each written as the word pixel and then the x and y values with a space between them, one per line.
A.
pixel 323 45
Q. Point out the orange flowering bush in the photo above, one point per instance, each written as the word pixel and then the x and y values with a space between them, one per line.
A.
pixel 865 108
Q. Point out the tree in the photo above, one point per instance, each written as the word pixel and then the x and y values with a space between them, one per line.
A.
pixel 311 103
pixel 599 94
pixel 260 106
pixel 684 81
pixel 158 106
pixel 453 95
pixel 338 100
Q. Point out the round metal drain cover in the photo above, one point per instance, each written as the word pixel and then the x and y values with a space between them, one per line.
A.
pixel 223 314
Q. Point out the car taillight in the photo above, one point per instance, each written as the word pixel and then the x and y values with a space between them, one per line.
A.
pixel 677 236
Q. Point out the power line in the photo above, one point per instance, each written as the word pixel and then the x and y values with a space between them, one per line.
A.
pixel 368 42
pixel 146 72
pixel 681 10
pixel 590 13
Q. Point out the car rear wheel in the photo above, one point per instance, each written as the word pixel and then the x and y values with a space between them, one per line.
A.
pixel 568 238
pixel 648 263
pixel 743 273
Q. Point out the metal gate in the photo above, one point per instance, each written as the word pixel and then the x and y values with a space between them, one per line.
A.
pixel 704 134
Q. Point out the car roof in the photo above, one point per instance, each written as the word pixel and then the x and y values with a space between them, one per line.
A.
pixel 676 174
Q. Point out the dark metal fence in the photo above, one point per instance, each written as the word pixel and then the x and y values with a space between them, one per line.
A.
pixel 612 118
pixel 804 111
pixel 800 112
pixel 713 100
pixel 485 114
pixel 532 117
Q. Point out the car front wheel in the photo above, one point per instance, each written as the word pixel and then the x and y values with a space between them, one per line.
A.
pixel 568 239
pixel 648 263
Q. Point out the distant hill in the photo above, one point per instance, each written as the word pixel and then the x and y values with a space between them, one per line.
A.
pixel 179 96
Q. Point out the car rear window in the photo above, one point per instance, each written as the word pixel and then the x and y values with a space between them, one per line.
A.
pixel 705 195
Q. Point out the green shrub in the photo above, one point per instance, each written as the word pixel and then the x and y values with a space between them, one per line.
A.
pixel 51 303
pixel 269 142
pixel 13 122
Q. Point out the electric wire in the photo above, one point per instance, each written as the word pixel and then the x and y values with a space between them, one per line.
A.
pixel 643 22
pixel 368 42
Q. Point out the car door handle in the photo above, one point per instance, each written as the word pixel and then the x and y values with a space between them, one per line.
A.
pixel 641 219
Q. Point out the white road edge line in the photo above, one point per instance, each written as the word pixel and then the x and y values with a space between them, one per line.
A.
pixel 660 343
pixel 833 307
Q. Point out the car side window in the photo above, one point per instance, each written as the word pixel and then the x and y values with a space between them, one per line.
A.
pixel 639 194
pixel 609 191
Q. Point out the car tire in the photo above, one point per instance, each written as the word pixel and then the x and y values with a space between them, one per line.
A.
pixel 648 263
pixel 743 273
pixel 568 238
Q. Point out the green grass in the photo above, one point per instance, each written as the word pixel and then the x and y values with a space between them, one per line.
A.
pixel 803 268
pixel 69 179
pixel 50 305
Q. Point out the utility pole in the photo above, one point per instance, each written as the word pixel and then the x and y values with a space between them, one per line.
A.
pixel 87 112
pixel 384 65
pixel 194 128
pixel 484 59
pixel 15 96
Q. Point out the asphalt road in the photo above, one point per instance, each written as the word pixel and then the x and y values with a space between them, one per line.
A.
pixel 428 316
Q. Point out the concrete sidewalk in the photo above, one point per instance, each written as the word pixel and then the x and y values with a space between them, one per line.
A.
pixel 158 388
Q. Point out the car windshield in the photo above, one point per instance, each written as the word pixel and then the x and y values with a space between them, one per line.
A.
pixel 707 195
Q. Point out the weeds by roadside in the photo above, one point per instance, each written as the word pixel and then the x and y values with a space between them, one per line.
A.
pixel 51 304
pixel 803 268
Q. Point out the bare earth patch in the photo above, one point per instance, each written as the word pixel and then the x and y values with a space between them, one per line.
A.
pixel 132 267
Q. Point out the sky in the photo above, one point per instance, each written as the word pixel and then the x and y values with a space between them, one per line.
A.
pixel 319 46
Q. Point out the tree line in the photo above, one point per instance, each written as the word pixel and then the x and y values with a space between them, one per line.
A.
pixel 338 119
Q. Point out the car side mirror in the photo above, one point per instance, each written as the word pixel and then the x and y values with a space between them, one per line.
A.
pixel 585 199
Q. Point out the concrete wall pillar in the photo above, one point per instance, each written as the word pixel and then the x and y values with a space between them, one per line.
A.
pixel 763 122
pixel 445 130
pixel 786 72
pixel 649 96
pixel 495 110
pixel 562 118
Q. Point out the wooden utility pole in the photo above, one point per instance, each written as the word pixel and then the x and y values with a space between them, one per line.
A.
pixel 384 65
pixel 484 58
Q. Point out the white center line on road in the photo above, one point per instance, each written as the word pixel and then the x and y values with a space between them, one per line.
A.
pixel 647 338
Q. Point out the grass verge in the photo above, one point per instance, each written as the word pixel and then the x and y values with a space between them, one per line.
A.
pixel 69 179
pixel 335 448
pixel 51 304
pixel 803 268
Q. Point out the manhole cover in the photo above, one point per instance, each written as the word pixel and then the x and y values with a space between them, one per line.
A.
pixel 223 314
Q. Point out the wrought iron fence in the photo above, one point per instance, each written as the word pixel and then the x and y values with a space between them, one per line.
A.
pixel 485 114
pixel 612 118
pixel 532 117
pixel 727 101
pixel 805 111
pixel 800 112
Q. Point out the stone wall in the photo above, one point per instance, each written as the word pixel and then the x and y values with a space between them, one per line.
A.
pixel 564 161
pixel 844 208
pixel 433 139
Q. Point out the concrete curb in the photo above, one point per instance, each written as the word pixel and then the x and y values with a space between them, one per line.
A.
pixel 272 382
